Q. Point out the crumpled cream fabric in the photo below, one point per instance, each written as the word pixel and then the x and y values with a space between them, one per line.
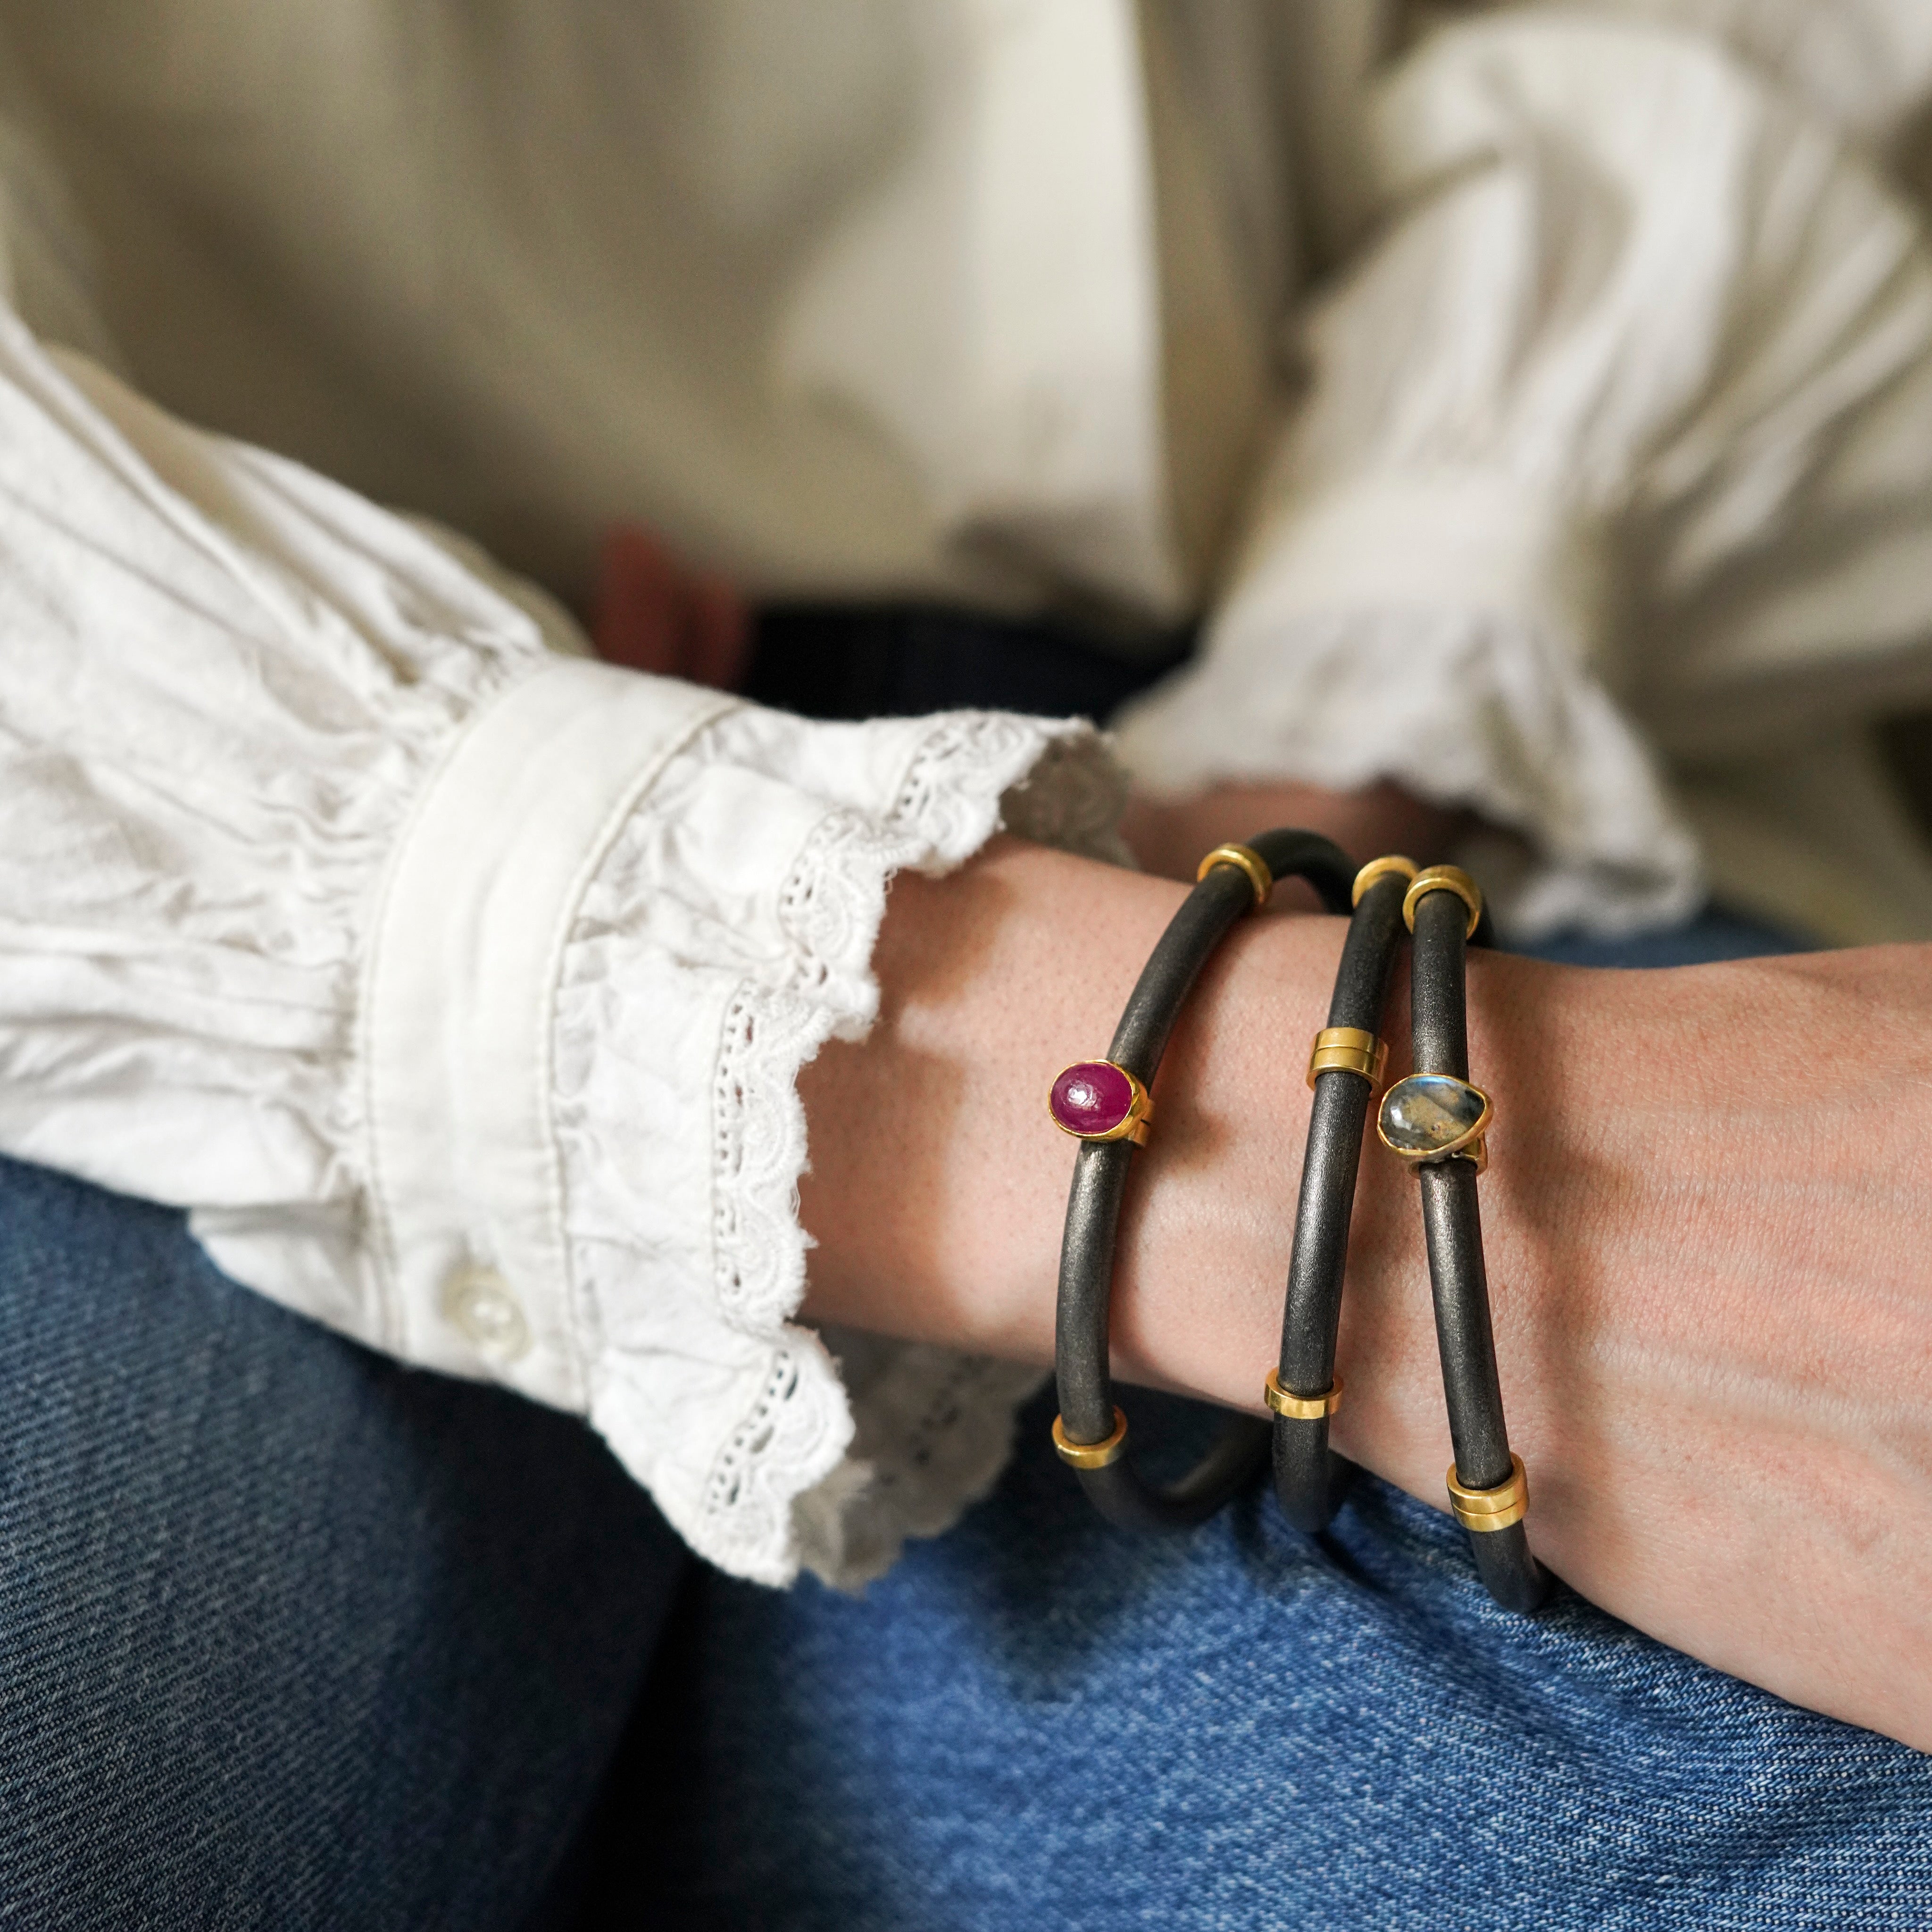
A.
pixel 1613 470
pixel 1591 484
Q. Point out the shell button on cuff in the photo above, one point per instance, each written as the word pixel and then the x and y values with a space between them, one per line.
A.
pixel 478 1303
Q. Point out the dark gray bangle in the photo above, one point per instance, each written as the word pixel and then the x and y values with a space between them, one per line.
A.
pixel 1107 1104
pixel 1344 1069
pixel 1436 1121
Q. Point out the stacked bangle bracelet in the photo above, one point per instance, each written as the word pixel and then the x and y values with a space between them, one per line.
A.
pixel 1106 1105
pixel 1344 1069
pixel 1435 1121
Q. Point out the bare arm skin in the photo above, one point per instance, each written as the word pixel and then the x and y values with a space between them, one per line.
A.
pixel 1705 1216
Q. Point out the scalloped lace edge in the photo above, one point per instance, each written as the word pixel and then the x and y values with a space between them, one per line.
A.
pixel 933 1430
pixel 782 1488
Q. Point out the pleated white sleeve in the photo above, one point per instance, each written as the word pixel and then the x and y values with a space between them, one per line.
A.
pixel 455 983
pixel 1615 460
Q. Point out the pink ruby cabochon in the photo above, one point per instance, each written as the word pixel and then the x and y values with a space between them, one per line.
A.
pixel 1093 1097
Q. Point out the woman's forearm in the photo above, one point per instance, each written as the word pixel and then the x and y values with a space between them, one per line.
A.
pixel 1714 1325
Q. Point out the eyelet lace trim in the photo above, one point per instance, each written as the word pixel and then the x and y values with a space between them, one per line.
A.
pixel 965 780
pixel 933 1431
pixel 779 1487
pixel 794 1436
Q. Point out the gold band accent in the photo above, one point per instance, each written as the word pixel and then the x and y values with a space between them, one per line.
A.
pixel 1443 879
pixel 1132 1126
pixel 1348 1050
pixel 1481 1510
pixel 1300 1407
pixel 1092 1455
pixel 1250 861
pixel 1377 868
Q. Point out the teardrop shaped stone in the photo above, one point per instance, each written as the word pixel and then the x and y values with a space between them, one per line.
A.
pixel 1428 1111
pixel 1092 1098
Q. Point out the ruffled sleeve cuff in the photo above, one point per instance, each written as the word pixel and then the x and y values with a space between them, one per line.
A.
pixel 620 916
pixel 725 933
pixel 1623 299
pixel 1441 631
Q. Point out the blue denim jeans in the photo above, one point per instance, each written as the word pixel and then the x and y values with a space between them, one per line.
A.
pixel 1038 1721
pixel 290 1637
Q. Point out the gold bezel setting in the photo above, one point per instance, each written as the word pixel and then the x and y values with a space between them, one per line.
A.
pixel 1132 1126
pixel 1470 1144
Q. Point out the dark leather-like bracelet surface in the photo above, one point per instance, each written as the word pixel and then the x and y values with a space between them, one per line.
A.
pixel 1452 1227
pixel 1090 1431
pixel 1310 1480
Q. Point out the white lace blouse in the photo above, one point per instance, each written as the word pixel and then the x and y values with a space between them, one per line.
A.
pixel 456 984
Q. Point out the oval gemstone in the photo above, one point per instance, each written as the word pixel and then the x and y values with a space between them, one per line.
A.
pixel 1092 1098
pixel 1428 1112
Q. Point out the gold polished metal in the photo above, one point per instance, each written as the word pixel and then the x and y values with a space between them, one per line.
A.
pixel 1133 1125
pixel 1300 1407
pixel 1443 879
pixel 1483 1509
pixel 1092 1455
pixel 1472 1145
pixel 1250 861
pixel 1348 1050
pixel 1377 868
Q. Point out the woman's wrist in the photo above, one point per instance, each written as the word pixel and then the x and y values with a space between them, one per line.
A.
pixel 1712 1327
pixel 938 1182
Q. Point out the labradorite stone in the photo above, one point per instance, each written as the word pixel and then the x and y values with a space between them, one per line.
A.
pixel 1427 1111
